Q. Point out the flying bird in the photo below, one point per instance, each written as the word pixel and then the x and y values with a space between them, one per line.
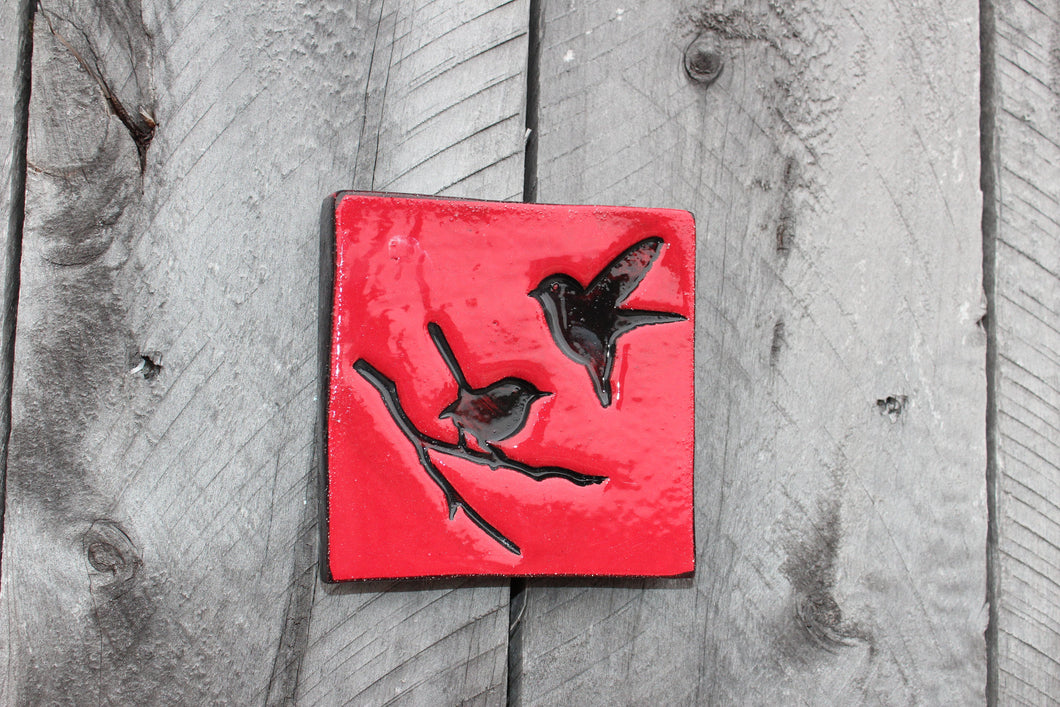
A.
pixel 586 322
pixel 490 414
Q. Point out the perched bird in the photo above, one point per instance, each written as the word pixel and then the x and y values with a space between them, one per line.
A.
pixel 586 322
pixel 489 414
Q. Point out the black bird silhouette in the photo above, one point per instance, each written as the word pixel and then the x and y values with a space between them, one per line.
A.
pixel 586 322
pixel 489 414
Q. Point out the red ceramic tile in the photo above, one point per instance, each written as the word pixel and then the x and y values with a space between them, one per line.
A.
pixel 557 454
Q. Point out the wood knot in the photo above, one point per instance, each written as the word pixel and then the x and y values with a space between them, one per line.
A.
pixel 122 601
pixel 110 552
pixel 821 618
pixel 703 62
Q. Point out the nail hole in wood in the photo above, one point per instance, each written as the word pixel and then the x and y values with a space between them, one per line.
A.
pixel 149 366
pixel 703 63
pixel 892 406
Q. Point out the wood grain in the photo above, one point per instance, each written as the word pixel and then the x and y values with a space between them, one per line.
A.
pixel 841 518
pixel 160 533
pixel 15 36
pixel 1027 266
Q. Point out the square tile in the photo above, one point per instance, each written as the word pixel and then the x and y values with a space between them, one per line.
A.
pixel 510 388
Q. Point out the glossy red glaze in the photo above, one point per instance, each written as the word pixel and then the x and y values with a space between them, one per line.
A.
pixel 402 262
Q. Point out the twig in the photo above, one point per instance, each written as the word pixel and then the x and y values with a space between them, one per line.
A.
pixel 493 460
pixel 496 458
pixel 453 499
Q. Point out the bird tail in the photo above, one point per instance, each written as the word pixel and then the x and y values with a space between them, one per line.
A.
pixel 629 319
pixel 603 391
pixel 600 373
pixel 440 342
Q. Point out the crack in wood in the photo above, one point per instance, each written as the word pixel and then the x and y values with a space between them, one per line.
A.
pixel 141 129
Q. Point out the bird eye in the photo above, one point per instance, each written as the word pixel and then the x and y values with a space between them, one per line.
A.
pixel 555 287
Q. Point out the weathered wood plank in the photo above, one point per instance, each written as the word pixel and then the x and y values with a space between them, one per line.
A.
pixel 159 542
pixel 841 516
pixel 1027 312
pixel 444 106
pixel 14 64
pixel 15 36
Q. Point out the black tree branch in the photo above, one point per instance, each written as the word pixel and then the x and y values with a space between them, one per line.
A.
pixel 496 458
pixel 493 460
pixel 453 499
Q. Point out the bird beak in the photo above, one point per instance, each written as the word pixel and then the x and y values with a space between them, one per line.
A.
pixel 543 394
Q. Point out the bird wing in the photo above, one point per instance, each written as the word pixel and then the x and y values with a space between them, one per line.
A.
pixel 622 275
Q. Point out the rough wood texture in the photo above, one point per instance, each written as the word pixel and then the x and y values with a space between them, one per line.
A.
pixel 1027 267
pixel 14 95
pixel 841 519
pixel 13 63
pixel 159 542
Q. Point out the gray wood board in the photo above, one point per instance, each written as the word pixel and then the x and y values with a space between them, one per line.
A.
pixel 1027 267
pixel 160 534
pixel 14 70
pixel 840 491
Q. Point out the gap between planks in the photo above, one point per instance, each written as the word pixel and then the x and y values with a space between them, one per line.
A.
pixel 988 185
pixel 517 593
